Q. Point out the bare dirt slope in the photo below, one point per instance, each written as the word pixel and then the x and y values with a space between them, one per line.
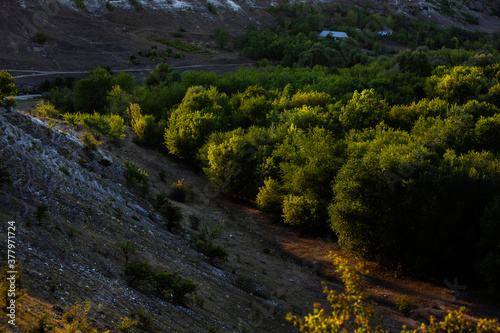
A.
pixel 82 39
pixel 72 254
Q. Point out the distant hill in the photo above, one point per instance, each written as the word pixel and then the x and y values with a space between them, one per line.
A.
pixel 83 34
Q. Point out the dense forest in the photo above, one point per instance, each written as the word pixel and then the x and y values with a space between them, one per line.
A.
pixel 396 153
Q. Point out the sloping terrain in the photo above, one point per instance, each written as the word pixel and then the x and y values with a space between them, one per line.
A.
pixel 82 37
pixel 72 254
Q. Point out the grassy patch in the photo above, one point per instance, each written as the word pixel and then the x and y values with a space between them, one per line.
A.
pixel 183 46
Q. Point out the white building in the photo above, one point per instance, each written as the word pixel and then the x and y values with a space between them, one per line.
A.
pixel 335 34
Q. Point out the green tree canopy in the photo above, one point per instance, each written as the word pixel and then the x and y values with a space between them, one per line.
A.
pixel 7 86
pixel 90 94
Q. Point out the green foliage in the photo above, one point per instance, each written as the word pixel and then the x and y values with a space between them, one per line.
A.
pixel 10 102
pixel 446 7
pixel 200 113
pixel 364 110
pixel 72 118
pixel 117 128
pixel 171 213
pixel 469 18
pixel 298 210
pixel 40 37
pixel 62 99
pixel 126 325
pixel 126 82
pixel 405 116
pixel 80 4
pixel 89 141
pixel 166 285
pixel 350 309
pixel 312 98
pixel 7 86
pixel 179 191
pixel 354 311
pixel 134 175
pixel 137 274
pixel 144 320
pixel 221 37
pixel 41 213
pixel 455 322
pixel 118 101
pixel 320 54
pixel 43 325
pixel 457 84
pixel 145 127
pixel 406 304
pixel 183 46
pixel 487 133
pixel 90 94
pixel 45 109
pixel 75 319
pixel 211 7
pixel 230 159
pixel 137 5
pixel 204 242
pixel 270 197
pixel 162 74
pixel 109 6
pixel 414 62
pixel 129 249
pixel 4 173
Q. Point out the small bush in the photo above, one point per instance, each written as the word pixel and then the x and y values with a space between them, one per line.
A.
pixel 116 128
pixel 162 174
pixel 470 18
pixel 10 102
pixel 133 174
pixel 72 118
pixel 129 249
pixel 183 46
pixel 109 6
pixel 126 325
pixel 40 37
pixel 65 170
pixel 138 274
pixel 97 123
pixel 221 38
pixel 406 304
pixel 133 60
pixel 270 197
pixel 80 4
pixel 89 141
pixel 211 7
pixel 204 242
pixel 41 212
pixel 179 191
pixel 42 326
pixel 137 5
pixel 4 173
pixel 105 162
pixel 144 320
pixel 171 213
pixel 45 109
